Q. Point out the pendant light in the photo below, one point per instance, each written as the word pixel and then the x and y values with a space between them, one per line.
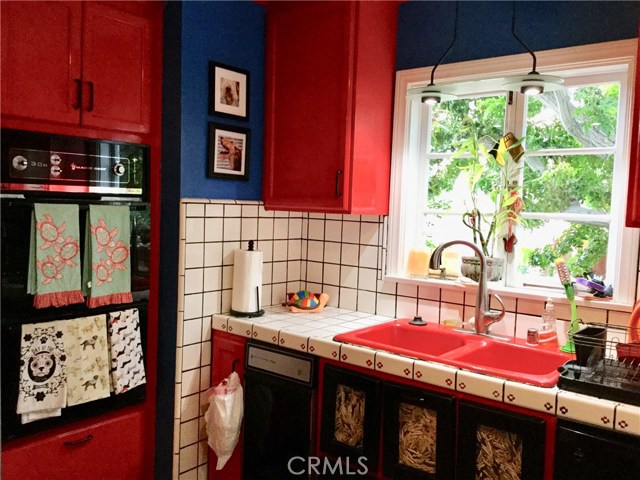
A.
pixel 532 83
pixel 433 94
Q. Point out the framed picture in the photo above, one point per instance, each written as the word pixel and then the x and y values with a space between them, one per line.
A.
pixel 228 152
pixel 228 91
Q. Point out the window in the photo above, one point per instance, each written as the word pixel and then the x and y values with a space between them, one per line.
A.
pixel 571 179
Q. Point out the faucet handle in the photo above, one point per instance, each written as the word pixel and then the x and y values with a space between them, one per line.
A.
pixel 498 315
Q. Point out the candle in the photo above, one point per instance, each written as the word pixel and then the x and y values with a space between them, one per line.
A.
pixel 418 263
pixel 451 262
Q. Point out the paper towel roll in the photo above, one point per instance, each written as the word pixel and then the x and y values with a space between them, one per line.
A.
pixel 246 296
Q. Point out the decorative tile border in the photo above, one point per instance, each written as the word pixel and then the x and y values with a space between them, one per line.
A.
pixel 627 419
pixel 435 374
pixel 362 357
pixel 480 385
pixel 394 364
pixel 583 408
pixel 529 396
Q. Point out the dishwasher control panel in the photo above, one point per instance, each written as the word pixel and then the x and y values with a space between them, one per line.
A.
pixel 284 364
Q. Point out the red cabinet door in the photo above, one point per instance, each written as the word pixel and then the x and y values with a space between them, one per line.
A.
pixel 329 87
pixel 633 196
pixel 112 449
pixel 228 354
pixel 116 69
pixel 309 58
pixel 41 60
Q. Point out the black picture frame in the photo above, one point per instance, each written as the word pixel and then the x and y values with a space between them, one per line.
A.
pixel 228 91
pixel 228 152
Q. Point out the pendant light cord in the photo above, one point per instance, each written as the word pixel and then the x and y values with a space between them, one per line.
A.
pixel 513 31
pixel 455 34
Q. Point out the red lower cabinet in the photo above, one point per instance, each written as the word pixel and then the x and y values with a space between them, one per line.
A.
pixel 228 354
pixel 112 449
pixel 350 422
pixel 419 438
pixel 408 431
pixel 493 443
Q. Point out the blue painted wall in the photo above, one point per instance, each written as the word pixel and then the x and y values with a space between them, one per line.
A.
pixel 425 29
pixel 231 33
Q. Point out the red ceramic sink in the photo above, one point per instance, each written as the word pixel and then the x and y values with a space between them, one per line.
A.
pixel 511 360
pixel 426 342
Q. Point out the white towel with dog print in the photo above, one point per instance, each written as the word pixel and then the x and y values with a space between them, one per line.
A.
pixel 127 367
pixel 87 349
pixel 42 389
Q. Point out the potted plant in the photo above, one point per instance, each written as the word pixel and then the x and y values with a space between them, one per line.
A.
pixel 494 203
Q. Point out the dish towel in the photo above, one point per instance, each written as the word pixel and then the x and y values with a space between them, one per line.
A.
pixel 107 266
pixel 127 367
pixel 42 389
pixel 54 256
pixel 85 341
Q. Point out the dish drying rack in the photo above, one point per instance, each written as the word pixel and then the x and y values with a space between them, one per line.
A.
pixel 606 365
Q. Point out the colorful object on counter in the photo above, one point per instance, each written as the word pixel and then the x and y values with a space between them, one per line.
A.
pixel 574 326
pixel 305 301
pixel 54 256
pixel 107 262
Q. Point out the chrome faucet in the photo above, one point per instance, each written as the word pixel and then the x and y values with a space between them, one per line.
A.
pixel 483 315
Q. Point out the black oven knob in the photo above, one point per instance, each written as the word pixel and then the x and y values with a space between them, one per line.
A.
pixel 55 159
pixel 55 171
pixel 19 162
pixel 119 169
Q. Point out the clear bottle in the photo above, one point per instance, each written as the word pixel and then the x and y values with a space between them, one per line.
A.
pixel 547 331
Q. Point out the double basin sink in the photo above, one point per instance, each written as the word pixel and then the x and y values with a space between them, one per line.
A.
pixel 512 360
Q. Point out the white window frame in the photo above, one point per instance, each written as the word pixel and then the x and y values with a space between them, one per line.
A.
pixel 618 56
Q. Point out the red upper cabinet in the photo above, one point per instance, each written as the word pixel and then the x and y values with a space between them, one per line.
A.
pixel 76 63
pixel 329 100
pixel 41 60
pixel 633 196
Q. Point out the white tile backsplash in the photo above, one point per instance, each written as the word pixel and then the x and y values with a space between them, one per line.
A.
pixel 342 256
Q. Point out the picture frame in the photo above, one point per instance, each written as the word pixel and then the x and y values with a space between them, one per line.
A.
pixel 228 91
pixel 228 152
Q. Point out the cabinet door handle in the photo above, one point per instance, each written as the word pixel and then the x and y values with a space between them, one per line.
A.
pixel 338 192
pixel 80 441
pixel 78 104
pixel 90 106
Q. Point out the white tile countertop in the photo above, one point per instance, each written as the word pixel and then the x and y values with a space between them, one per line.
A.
pixel 314 332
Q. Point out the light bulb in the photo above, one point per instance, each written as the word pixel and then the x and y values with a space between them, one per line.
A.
pixel 431 99
pixel 532 89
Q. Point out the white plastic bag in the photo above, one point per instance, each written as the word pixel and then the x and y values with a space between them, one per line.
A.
pixel 224 417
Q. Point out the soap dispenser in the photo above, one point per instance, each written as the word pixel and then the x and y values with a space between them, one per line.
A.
pixel 547 331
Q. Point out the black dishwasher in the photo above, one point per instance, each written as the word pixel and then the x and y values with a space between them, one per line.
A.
pixel 591 453
pixel 279 412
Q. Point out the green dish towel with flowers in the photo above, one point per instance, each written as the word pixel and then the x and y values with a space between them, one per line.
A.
pixel 107 263
pixel 54 256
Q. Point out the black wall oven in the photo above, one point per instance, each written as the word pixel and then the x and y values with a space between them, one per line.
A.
pixel 52 169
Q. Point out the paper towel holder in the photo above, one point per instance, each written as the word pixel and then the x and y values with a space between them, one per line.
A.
pixel 259 312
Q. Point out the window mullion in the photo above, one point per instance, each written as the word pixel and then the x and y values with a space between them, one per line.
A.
pixel 515 122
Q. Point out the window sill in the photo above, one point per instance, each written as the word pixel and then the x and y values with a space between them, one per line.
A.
pixel 510 292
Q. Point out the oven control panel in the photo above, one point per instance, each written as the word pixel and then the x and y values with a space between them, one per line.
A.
pixel 41 162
